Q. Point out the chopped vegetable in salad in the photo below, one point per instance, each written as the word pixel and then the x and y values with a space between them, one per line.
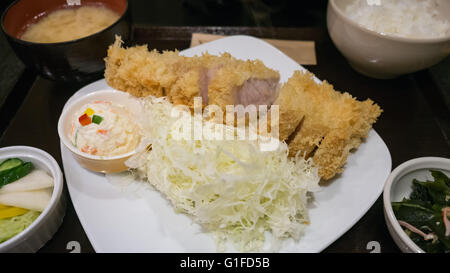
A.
pixel 102 128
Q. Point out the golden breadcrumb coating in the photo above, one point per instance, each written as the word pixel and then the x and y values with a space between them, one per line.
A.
pixel 289 115
pixel 334 123
pixel 231 73
pixel 141 73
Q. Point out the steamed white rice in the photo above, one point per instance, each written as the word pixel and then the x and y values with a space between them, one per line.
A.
pixel 405 18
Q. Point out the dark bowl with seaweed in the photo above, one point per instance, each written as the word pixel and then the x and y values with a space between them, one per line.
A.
pixel 417 205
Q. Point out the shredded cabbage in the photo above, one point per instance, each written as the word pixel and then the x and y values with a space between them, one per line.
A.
pixel 230 187
pixel 10 227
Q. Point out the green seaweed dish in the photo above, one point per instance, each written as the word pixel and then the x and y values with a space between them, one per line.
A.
pixel 425 215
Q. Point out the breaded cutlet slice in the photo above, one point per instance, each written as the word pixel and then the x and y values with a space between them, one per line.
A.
pixel 289 115
pixel 141 72
pixel 334 123
pixel 233 81
pixel 224 80
pixel 220 80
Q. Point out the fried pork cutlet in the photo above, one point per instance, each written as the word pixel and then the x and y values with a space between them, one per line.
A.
pixel 220 80
pixel 334 123
pixel 314 119
pixel 139 72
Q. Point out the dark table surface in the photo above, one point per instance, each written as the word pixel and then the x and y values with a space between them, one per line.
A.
pixel 415 121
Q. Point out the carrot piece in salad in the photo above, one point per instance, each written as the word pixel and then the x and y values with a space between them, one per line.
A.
pixel 102 132
pixel 102 101
pixel 89 150
pixel 85 149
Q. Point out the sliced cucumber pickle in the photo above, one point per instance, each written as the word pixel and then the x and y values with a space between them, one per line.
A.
pixel 15 173
pixel 9 164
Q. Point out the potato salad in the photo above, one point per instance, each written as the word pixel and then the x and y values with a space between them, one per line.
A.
pixel 104 129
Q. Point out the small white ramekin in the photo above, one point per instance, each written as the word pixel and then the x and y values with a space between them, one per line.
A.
pixel 398 186
pixel 44 227
pixel 103 164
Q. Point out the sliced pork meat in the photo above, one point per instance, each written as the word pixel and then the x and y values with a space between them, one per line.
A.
pixel 206 75
pixel 257 92
pixel 220 80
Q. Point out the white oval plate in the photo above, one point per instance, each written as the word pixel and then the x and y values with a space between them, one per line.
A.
pixel 116 223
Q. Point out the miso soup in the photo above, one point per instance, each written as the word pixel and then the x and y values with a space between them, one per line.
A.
pixel 70 24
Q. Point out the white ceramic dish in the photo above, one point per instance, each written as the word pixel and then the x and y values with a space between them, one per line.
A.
pixel 398 186
pixel 384 56
pixel 116 223
pixel 48 222
pixel 105 164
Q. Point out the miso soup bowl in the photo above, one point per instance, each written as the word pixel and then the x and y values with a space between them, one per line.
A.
pixel 77 60
pixel 96 163
pixel 384 56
